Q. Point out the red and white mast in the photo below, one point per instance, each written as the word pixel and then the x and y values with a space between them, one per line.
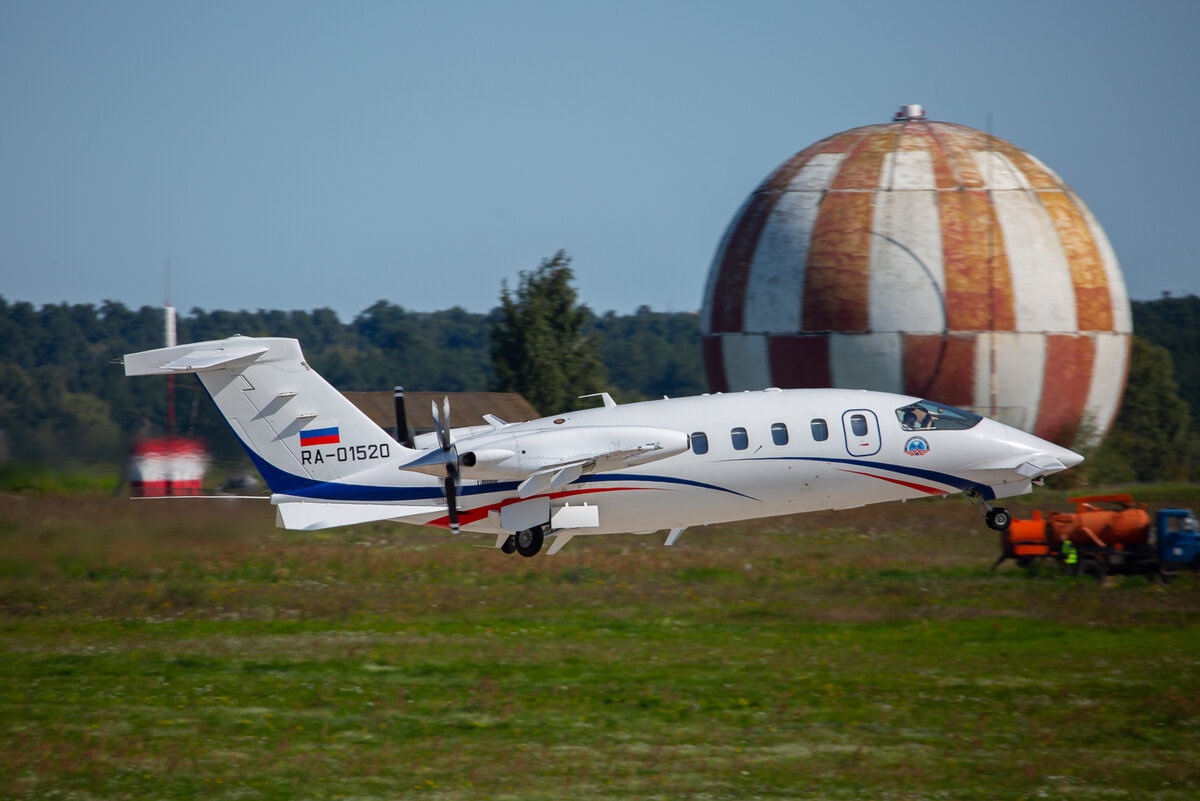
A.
pixel 170 465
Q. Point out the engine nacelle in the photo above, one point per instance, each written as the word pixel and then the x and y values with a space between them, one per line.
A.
pixel 485 458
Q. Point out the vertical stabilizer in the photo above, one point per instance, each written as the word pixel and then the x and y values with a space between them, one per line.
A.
pixel 298 429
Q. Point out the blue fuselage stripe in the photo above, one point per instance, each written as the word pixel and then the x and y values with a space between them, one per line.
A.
pixel 906 470
pixel 285 483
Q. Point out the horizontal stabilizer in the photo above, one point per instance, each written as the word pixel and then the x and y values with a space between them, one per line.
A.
pixel 314 515
pixel 189 358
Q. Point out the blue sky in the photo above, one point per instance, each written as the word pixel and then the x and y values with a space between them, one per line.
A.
pixel 295 155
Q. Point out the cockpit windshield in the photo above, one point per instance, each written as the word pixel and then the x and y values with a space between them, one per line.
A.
pixel 929 416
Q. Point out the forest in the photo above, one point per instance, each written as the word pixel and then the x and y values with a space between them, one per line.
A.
pixel 65 401
pixel 64 398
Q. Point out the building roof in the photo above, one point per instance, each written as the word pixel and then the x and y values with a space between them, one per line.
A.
pixel 466 408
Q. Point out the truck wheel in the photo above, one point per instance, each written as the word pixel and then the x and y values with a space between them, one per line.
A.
pixel 1094 568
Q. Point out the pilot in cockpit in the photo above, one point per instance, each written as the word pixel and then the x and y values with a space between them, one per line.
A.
pixel 916 417
pixel 927 416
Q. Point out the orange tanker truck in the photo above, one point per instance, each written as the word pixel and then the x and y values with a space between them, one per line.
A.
pixel 1108 534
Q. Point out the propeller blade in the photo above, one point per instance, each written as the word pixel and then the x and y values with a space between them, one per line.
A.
pixel 403 432
pixel 450 456
pixel 451 488
pixel 446 420
pixel 437 423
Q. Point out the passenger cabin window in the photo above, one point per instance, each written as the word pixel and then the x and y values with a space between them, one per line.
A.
pixel 699 443
pixel 740 440
pixel 858 424
pixel 779 433
pixel 820 429
pixel 928 416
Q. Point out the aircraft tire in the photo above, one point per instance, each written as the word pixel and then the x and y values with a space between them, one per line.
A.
pixel 529 541
pixel 998 518
pixel 509 545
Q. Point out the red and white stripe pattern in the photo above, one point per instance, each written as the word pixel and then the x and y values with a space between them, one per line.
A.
pixel 926 258
pixel 167 466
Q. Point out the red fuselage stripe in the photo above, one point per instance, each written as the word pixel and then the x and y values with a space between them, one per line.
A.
pixel 472 515
pixel 909 484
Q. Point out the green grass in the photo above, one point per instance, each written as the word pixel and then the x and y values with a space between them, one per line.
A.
pixel 190 650
pixel 16 477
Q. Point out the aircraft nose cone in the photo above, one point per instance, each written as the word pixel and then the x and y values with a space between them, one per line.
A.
pixel 1068 457
pixel 1051 460
pixel 1042 452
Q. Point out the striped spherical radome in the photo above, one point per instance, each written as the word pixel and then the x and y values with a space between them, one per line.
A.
pixel 925 258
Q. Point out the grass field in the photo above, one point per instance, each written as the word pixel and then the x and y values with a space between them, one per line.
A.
pixel 191 650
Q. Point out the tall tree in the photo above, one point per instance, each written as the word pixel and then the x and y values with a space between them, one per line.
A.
pixel 1174 323
pixel 538 344
pixel 1150 435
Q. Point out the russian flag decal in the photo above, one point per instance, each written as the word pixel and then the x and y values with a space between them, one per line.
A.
pixel 319 436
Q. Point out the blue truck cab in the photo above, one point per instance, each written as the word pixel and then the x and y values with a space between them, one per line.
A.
pixel 1178 538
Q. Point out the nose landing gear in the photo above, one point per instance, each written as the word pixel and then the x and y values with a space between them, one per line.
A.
pixel 997 518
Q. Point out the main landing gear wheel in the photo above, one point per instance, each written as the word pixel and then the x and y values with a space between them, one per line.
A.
pixel 509 545
pixel 529 541
pixel 998 518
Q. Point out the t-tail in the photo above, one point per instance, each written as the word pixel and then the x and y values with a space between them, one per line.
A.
pixel 302 434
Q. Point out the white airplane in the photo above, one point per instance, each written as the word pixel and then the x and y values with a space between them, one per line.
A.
pixel 637 467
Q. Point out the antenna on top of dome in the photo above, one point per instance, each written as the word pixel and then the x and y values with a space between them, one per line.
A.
pixel 910 111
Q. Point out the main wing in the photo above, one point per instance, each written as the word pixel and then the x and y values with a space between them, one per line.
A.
pixel 307 515
pixel 544 458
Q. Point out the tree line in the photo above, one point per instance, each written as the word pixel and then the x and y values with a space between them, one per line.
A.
pixel 64 399
pixel 1156 434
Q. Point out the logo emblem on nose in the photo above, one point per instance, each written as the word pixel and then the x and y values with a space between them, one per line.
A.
pixel 916 446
